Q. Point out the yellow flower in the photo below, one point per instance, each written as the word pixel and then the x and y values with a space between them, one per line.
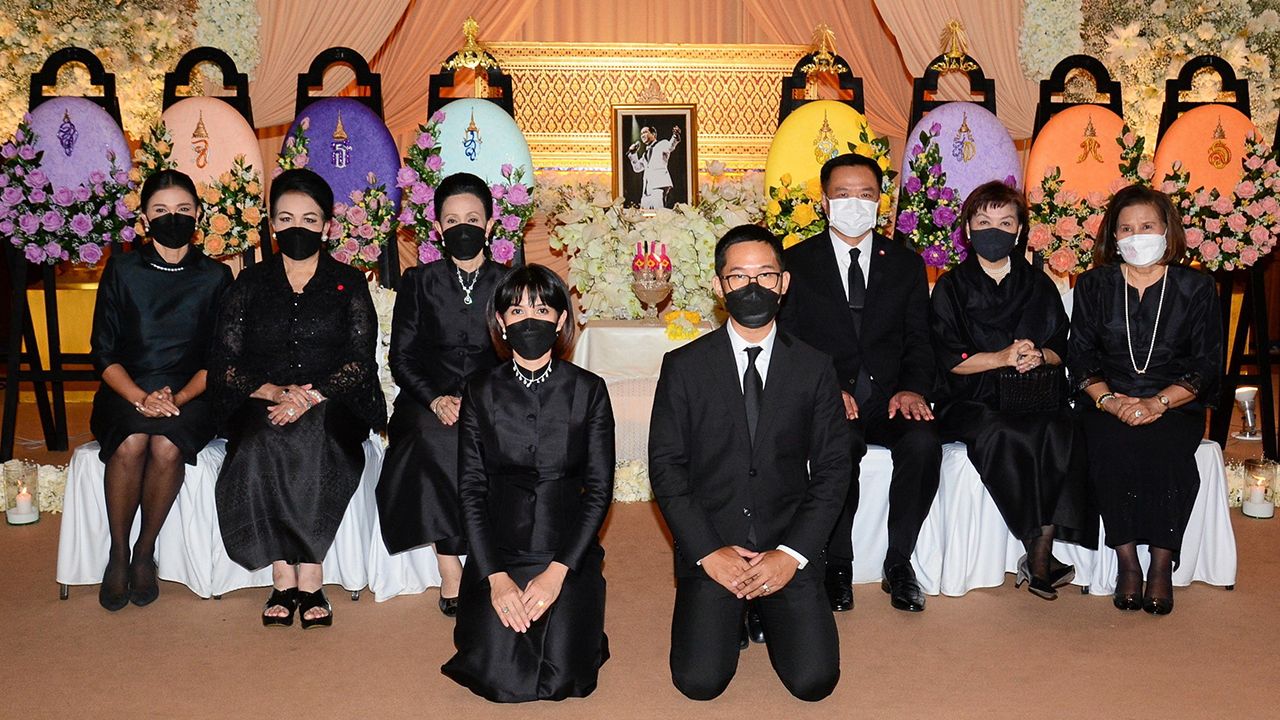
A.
pixel 790 239
pixel 883 162
pixel 886 201
pixel 785 180
pixel 803 215
pixel 220 224
pixel 773 209
pixel 813 189
pixel 132 201
pixel 162 147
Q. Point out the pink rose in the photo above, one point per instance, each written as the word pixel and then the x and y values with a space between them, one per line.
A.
pixel 1195 236
pixel 1086 244
pixel 434 163
pixel 1096 199
pixel 1248 256
pixel 1168 187
pixel 339 209
pixel 498 191
pixel 1213 226
pixel 1066 197
pixel 518 194
pixel 351 245
pixel 342 256
pixel 370 253
pixel 507 169
pixel 301 160
pixel 1130 139
pixel 1039 237
pixel 1255 210
pixel 366 231
pixel 1260 235
pixel 1246 189
pixel 1209 250
pixel 1067 227
pixel 356 215
pixel 1271 205
pixel 1092 224
pixel 1035 195
pixel 1146 169
pixel 1236 222
pixel 1223 205
pixel 504 250
pixel 1272 167
pixel 335 228
pixel 1229 245
pixel 356 196
pixel 1062 260
pixel 1117 185
pixel 1203 198
pixel 1253 163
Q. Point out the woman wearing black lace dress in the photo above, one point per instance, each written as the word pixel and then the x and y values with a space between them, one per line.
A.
pixel 295 377
pixel 1146 352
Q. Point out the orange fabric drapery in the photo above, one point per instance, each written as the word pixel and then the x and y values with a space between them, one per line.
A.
pixel 992 27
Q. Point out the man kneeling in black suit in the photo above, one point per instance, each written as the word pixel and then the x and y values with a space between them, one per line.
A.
pixel 749 461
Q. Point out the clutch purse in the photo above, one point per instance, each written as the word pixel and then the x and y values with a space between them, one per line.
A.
pixel 1041 389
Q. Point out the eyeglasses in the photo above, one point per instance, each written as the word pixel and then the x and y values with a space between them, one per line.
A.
pixel 766 280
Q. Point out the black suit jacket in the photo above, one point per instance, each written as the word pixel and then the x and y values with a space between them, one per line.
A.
pixel 714 488
pixel 894 344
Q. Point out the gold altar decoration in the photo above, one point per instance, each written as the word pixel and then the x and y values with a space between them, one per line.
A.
pixel 954 44
pixel 563 92
pixel 473 56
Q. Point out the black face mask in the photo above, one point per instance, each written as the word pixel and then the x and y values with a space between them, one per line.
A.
pixel 752 306
pixel 532 338
pixel 992 243
pixel 172 230
pixel 464 241
pixel 298 243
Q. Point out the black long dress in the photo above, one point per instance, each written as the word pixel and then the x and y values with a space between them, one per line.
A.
pixel 1033 464
pixel 155 319
pixel 283 490
pixel 1145 478
pixel 437 341
pixel 536 479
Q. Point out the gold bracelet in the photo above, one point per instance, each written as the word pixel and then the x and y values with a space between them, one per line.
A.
pixel 1102 399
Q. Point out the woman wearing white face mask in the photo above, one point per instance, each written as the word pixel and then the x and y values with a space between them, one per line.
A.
pixel 1000 332
pixel 1145 352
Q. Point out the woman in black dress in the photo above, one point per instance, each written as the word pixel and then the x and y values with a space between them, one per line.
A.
pixel 535 474
pixel 994 315
pixel 439 336
pixel 295 378
pixel 154 316
pixel 1146 352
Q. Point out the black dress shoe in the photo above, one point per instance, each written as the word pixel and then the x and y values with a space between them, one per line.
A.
pixel 904 591
pixel 744 640
pixel 1157 606
pixel 839 582
pixel 449 606
pixel 755 629
pixel 1127 601
pixel 144 587
pixel 113 594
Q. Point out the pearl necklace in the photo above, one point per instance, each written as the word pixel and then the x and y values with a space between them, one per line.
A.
pixel 466 289
pixel 180 268
pixel 1128 334
pixel 531 381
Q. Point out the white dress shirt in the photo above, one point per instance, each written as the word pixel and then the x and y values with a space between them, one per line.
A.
pixel 842 249
pixel 740 346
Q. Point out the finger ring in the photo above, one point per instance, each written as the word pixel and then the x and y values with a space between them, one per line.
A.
pixel 291 412
pixel 542 603
pixel 765 586
pixel 1138 413
pixel 505 611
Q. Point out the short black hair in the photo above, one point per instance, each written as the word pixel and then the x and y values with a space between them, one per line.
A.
pixel 996 194
pixel 307 182
pixel 165 179
pixel 542 285
pixel 747 233
pixel 464 184
pixel 850 160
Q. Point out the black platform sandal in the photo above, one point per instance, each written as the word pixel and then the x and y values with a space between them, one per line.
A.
pixel 287 599
pixel 310 601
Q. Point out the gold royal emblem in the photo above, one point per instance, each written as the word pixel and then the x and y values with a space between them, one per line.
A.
pixel 1219 153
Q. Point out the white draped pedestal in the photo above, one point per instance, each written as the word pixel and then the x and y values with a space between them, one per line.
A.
pixel 189 549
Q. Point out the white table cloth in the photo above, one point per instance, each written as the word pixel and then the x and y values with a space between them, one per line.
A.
pixel 189 549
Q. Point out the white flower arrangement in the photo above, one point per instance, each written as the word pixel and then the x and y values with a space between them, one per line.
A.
pixel 631 482
pixel 1050 32
pixel 231 25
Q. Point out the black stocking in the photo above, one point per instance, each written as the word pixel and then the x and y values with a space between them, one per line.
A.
pixel 160 486
pixel 1160 574
pixel 1039 551
pixel 123 490
pixel 1129 572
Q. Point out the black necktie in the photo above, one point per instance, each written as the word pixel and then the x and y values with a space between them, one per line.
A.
pixel 857 283
pixel 752 390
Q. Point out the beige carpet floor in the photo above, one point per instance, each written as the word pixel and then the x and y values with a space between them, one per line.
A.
pixel 996 653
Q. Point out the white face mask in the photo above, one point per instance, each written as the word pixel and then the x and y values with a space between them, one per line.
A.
pixel 853 217
pixel 1142 250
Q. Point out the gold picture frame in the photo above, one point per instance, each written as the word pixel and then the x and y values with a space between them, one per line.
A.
pixel 655 154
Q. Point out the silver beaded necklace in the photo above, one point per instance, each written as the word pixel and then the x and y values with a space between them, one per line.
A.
pixel 466 289
pixel 531 381
pixel 1128 334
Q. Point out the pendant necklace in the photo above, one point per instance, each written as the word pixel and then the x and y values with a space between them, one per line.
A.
pixel 179 268
pixel 531 381
pixel 1128 334
pixel 466 289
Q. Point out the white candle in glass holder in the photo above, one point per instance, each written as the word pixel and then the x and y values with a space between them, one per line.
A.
pixel 24 504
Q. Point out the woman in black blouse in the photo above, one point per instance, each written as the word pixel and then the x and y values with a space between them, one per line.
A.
pixel 151 327
pixel 439 336
pixel 535 474
pixel 992 317
pixel 295 377
pixel 1146 350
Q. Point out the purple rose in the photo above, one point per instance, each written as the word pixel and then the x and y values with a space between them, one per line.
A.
pixel 912 185
pixel 434 163
pixel 422 194
pixel 948 194
pixel 958 239
pixel 37 179
pixel 81 224
pixel 127 233
pixel 503 250
pixel 512 223
pixel 12 195
pixel 29 224
pixel 935 128
pixel 498 191
pixel 83 193
pixel 19 135
pixel 6 227
pixel 437 116
pixel 406 177
pixel 936 170
pixel 27 153
pixel 64 196
pixel 428 253
pixel 8 151
pixel 34 253
pixel 507 169
pixel 1011 181
pixel 916 150
pixel 90 254
pixel 104 211
pixel 53 221
pixel 944 216
pixel 907 222
pixel 931 193
pixel 37 196
pixel 121 178
pixel 97 177
pixel 406 216
pixel 5 210
pixel 935 256
pixel 518 194
pixel 122 211
pixel 54 250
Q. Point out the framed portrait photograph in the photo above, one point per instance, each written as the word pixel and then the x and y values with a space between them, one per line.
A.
pixel 655 155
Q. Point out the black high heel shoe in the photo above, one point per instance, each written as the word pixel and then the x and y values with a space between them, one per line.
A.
pixel 1060 574
pixel 310 601
pixel 110 601
pixel 145 592
pixel 1127 601
pixel 287 599
pixel 1157 606
pixel 1037 586
pixel 449 606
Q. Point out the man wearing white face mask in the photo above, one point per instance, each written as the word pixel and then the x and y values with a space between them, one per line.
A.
pixel 864 300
